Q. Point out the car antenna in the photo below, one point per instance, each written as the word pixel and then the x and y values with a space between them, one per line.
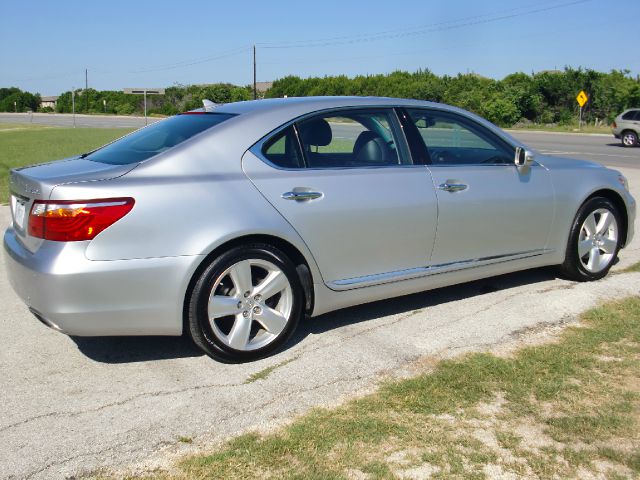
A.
pixel 209 105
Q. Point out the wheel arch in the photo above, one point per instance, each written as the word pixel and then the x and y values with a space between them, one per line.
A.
pixel 618 201
pixel 294 254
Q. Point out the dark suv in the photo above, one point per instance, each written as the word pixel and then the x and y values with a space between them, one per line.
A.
pixel 626 127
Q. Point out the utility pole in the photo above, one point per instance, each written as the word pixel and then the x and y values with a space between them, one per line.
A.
pixel 73 105
pixel 86 88
pixel 255 91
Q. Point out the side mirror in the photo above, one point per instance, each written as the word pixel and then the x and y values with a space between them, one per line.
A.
pixel 523 157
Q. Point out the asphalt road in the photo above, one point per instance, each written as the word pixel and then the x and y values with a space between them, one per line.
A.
pixel 70 405
pixel 67 120
pixel 605 149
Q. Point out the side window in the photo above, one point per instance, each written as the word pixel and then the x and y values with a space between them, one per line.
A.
pixel 351 139
pixel 453 140
pixel 283 151
pixel 631 115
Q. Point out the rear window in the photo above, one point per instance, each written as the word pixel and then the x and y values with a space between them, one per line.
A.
pixel 156 138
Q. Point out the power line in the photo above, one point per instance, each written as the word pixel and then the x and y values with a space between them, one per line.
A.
pixel 188 63
pixel 420 30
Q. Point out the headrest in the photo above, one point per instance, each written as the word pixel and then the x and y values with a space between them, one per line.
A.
pixel 316 132
pixel 363 138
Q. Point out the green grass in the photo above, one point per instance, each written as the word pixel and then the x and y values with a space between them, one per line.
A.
pixel 571 128
pixel 26 144
pixel 553 410
pixel 264 373
pixel 633 268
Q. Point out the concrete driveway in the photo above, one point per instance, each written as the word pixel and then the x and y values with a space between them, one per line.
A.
pixel 71 405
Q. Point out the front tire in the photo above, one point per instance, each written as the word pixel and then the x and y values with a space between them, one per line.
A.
pixel 246 304
pixel 594 241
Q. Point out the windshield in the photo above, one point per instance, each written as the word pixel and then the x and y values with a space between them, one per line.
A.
pixel 156 138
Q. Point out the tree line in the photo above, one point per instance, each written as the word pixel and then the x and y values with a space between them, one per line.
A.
pixel 15 100
pixel 176 99
pixel 543 98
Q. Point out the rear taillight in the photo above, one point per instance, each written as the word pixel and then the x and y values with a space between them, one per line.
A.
pixel 75 220
pixel 614 124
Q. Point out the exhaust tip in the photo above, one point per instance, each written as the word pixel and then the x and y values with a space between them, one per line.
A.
pixel 45 321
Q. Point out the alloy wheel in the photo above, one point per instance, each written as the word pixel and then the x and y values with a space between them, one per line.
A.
pixel 598 240
pixel 629 139
pixel 250 304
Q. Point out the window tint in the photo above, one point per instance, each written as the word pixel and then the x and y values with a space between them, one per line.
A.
pixel 156 138
pixel 632 115
pixel 350 139
pixel 282 150
pixel 453 140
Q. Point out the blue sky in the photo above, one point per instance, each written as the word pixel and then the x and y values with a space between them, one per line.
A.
pixel 46 45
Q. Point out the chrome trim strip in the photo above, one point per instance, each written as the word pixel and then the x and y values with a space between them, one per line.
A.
pixel 413 273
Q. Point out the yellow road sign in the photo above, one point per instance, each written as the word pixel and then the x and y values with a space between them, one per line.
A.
pixel 582 98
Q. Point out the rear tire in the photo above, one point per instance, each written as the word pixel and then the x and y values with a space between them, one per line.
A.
pixel 594 241
pixel 629 138
pixel 246 304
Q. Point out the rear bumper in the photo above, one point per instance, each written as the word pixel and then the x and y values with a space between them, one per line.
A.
pixel 82 297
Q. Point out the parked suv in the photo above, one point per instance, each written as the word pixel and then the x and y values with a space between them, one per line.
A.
pixel 626 127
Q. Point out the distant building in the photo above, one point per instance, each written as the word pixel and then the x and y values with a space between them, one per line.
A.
pixel 262 87
pixel 48 102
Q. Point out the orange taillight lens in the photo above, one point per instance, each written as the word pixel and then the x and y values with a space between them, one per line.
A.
pixel 76 220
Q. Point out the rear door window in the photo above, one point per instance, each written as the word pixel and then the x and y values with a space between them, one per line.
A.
pixel 156 138
pixel 364 138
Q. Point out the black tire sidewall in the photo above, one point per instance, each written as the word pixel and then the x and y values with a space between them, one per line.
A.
pixel 199 326
pixel 573 266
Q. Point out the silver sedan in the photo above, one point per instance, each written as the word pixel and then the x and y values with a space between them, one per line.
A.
pixel 232 222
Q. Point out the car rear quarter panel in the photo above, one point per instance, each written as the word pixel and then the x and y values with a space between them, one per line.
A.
pixel 189 202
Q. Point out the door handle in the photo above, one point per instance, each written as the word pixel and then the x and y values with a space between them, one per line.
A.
pixel 300 196
pixel 452 187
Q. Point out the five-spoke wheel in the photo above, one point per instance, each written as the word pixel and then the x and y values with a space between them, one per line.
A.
pixel 245 304
pixel 594 240
pixel 629 138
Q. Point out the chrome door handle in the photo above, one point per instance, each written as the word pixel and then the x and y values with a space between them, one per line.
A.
pixel 301 195
pixel 453 187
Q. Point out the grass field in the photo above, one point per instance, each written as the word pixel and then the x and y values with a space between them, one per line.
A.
pixel 26 144
pixel 565 409
pixel 573 128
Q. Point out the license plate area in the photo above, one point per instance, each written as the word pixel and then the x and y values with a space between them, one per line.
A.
pixel 19 211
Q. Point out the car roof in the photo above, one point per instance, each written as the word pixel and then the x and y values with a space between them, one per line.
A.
pixel 270 113
pixel 311 104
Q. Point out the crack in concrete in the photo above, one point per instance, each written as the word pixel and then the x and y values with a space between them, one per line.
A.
pixel 226 420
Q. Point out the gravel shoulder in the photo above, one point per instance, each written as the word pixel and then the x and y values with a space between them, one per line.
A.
pixel 76 405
